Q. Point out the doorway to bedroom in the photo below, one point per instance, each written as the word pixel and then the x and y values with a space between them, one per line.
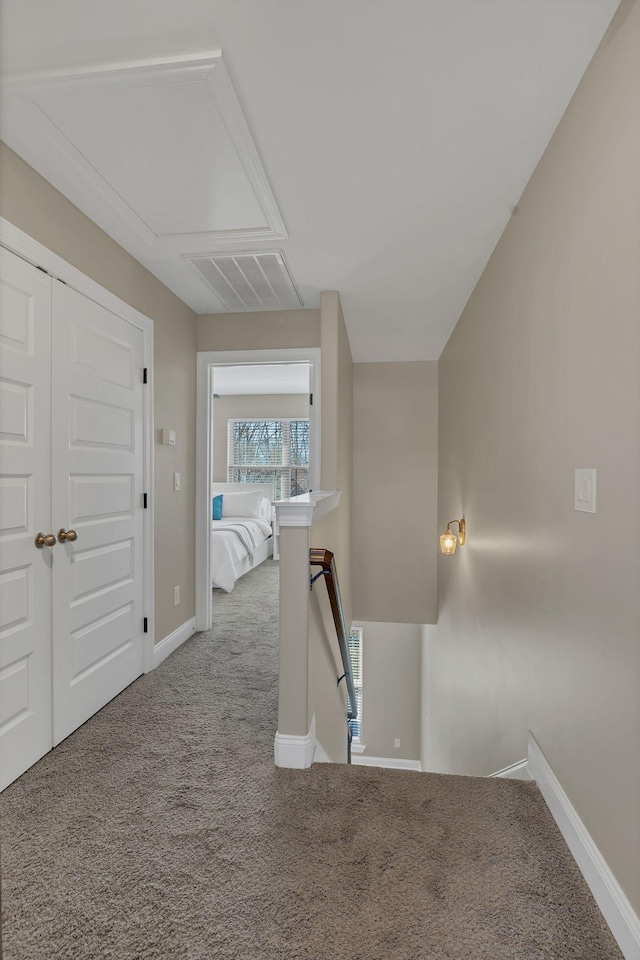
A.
pixel 258 442
pixel 260 431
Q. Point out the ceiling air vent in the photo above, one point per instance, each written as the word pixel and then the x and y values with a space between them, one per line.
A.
pixel 249 281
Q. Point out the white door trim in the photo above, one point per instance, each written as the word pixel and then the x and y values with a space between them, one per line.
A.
pixel 35 253
pixel 27 587
pixel 207 360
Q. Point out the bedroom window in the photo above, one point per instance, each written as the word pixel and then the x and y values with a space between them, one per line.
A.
pixel 355 657
pixel 270 451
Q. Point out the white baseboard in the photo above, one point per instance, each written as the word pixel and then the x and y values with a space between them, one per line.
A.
pixel 616 909
pixel 295 752
pixel 162 650
pixel 516 771
pixel 320 754
pixel 362 760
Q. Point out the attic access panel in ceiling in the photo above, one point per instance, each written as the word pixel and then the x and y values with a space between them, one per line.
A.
pixel 164 145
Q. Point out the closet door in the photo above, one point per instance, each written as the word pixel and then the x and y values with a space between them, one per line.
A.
pixel 97 482
pixel 25 510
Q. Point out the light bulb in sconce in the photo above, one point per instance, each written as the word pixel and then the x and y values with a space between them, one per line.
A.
pixel 449 541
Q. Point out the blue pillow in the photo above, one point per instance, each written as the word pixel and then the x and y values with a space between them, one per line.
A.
pixel 216 507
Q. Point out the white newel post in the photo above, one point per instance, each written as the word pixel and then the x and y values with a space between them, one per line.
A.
pixel 295 738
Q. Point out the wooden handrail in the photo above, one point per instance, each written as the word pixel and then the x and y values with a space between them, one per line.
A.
pixel 319 557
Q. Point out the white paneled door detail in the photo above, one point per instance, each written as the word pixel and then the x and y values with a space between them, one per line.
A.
pixel 25 511
pixel 71 475
pixel 97 492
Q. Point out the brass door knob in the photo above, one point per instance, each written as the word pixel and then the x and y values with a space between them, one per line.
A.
pixel 68 535
pixel 44 540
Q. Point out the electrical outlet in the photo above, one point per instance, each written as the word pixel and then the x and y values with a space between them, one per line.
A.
pixel 176 482
pixel 396 743
pixel 176 596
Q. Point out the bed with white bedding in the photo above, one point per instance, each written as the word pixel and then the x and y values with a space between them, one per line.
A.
pixel 238 542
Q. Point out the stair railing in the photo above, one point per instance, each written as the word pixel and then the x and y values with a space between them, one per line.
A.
pixel 319 557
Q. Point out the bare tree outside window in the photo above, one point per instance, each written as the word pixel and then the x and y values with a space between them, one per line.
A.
pixel 270 451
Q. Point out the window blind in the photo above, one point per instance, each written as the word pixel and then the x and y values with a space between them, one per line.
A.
pixel 355 658
pixel 269 451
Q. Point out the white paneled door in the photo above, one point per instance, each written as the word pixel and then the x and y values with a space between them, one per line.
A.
pixel 71 469
pixel 25 511
pixel 97 454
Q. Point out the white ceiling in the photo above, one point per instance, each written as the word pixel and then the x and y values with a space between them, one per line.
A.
pixel 261 378
pixel 381 145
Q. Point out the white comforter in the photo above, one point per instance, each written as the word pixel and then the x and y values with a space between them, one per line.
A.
pixel 232 541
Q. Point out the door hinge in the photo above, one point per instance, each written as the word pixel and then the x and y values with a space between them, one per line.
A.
pixel 48 274
pixel 145 626
pixel 144 501
pixel 144 375
pixel 310 399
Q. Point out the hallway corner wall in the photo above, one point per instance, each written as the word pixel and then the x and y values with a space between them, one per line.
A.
pixel 395 482
pixel 539 614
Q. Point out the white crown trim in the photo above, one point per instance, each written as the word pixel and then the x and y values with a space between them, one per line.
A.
pixel 221 88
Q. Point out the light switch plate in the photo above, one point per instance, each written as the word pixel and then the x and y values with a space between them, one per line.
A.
pixel 585 489
pixel 176 482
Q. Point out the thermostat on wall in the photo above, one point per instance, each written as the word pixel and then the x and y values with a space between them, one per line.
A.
pixel 169 438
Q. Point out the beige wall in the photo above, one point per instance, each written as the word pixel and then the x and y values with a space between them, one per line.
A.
pixel 310 660
pixel 539 624
pixel 266 330
pixel 395 482
pixel 327 699
pixel 33 205
pixel 295 707
pixel 245 406
pixel 334 531
pixel 337 436
pixel 391 658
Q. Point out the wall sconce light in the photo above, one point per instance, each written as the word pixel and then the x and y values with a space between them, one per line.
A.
pixel 448 540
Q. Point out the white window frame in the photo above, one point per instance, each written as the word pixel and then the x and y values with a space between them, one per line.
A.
pixel 283 468
pixel 358 684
